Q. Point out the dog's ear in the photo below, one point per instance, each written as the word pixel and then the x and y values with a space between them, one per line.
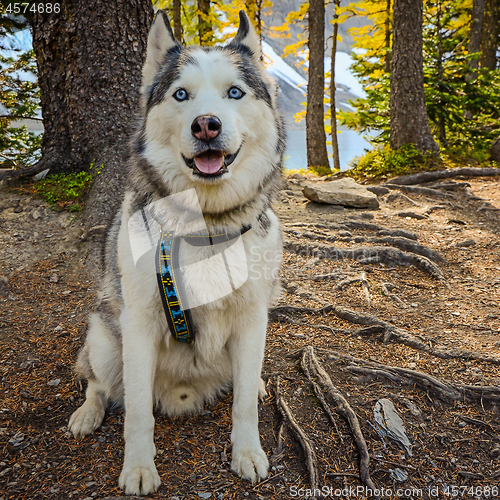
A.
pixel 247 36
pixel 160 40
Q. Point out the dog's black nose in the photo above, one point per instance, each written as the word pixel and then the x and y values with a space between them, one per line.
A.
pixel 206 127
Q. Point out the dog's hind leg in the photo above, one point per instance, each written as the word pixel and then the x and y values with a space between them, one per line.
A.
pixel 100 363
pixel 90 415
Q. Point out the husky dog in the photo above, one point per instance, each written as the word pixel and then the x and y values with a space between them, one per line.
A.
pixel 210 127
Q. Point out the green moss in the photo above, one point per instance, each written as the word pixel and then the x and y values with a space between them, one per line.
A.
pixel 384 162
pixel 66 191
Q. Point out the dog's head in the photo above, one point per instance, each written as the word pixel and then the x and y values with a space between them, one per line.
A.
pixel 210 116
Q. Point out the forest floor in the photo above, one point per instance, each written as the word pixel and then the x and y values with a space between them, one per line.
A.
pixel 425 335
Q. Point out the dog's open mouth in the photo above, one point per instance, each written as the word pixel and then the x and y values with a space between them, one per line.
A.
pixel 211 163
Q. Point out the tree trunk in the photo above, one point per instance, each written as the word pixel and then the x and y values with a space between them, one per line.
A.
pixel 317 156
pixel 333 105
pixel 409 121
pixel 204 28
pixel 490 32
pixel 254 11
pixel 387 62
pixel 89 58
pixel 440 70
pixel 476 28
pixel 176 14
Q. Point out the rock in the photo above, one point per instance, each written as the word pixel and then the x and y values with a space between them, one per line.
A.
pixel 54 383
pixel 399 475
pixel 4 287
pixel 37 213
pixel 54 278
pixel 378 190
pixel 41 175
pixel 469 242
pixel 345 192
pixel 495 150
pixel 18 210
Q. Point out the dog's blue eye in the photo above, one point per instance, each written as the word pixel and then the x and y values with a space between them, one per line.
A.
pixel 235 93
pixel 180 95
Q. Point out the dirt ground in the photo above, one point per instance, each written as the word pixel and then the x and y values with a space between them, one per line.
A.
pixel 45 298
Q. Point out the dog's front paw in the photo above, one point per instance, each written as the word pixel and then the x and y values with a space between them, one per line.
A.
pixel 86 419
pixel 250 464
pixel 139 479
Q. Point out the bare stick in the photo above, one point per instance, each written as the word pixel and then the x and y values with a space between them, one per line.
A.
pixel 391 295
pixel 366 287
pixel 307 445
pixel 310 363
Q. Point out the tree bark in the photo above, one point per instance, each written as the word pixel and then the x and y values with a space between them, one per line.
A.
pixel 387 62
pixel 89 58
pixel 176 15
pixel 317 156
pixel 333 105
pixel 476 28
pixel 408 111
pixel 490 33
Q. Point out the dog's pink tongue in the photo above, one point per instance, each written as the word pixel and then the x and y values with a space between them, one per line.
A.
pixel 209 162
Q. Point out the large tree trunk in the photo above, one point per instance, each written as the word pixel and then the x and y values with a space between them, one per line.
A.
pixel 409 121
pixel 317 157
pixel 176 14
pixel 490 33
pixel 89 59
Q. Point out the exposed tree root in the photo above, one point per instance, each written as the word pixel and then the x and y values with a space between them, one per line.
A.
pixel 406 245
pixel 401 242
pixel 450 186
pixel 353 224
pixel 435 193
pixel 311 365
pixel 368 255
pixel 307 445
pixel 391 332
pixel 356 279
pixel 442 389
pixel 422 177
pixel 46 162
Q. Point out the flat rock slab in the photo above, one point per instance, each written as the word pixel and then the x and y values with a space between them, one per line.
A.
pixel 345 192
